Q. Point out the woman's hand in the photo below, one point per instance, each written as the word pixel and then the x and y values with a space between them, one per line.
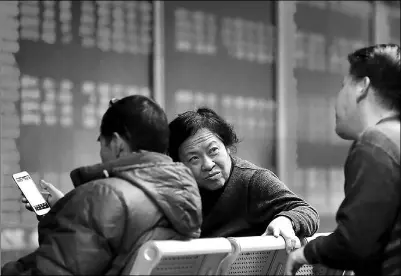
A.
pixel 282 226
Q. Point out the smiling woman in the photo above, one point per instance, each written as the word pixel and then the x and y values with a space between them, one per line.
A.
pixel 238 197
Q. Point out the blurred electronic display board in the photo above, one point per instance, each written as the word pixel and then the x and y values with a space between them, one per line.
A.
pixel 221 55
pixel 395 23
pixel 60 63
pixel 327 31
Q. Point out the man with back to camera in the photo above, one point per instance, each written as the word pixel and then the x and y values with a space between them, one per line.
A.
pixel 135 195
pixel 367 239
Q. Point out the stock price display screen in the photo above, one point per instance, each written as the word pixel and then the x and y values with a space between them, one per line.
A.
pixel 222 55
pixel 326 32
pixel 61 62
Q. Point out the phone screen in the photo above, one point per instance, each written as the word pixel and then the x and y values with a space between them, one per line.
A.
pixel 31 192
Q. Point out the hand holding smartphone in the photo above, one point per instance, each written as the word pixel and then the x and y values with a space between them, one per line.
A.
pixel 31 193
pixel 49 192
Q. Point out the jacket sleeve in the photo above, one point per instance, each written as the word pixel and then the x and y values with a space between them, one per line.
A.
pixel 365 217
pixel 80 237
pixel 17 267
pixel 270 198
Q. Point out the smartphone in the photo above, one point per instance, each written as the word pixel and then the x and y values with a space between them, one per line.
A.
pixel 31 193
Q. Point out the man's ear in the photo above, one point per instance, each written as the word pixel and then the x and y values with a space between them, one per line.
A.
pixel 118 143
pixel 362 88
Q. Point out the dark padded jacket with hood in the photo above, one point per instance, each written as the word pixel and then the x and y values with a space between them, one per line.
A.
pixel 97 228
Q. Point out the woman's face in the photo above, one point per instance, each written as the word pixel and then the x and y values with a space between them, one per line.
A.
pixel 208 158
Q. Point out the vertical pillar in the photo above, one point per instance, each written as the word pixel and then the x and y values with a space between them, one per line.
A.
pixel 381 27
pixel 158 53
pixel 286 90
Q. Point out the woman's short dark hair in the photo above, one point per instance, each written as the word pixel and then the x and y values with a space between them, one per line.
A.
pixel 381 63
pixel 140 121
pixel 188 123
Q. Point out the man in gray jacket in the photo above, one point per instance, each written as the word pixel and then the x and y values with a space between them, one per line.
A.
pixel 135 195
pixel 367 239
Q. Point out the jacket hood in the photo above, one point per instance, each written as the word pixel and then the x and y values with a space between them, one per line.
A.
pixel 170 185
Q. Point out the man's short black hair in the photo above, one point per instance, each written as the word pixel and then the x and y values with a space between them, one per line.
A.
pixel 188 123
pixel 140 121
pixel 381 63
